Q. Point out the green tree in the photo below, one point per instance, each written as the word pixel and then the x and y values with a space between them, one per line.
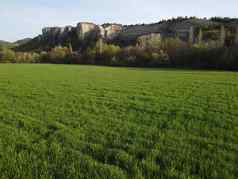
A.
pixel 7 55
pixel 58 54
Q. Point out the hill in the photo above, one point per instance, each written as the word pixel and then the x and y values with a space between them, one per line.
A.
pixel 85 33
pixel 5 43
pixel 22 41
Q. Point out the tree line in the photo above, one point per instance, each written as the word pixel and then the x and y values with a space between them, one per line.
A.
pixel 170 52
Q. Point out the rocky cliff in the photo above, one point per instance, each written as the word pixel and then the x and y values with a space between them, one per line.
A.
pixel 79 36
pixel 85 33
pixel 172 28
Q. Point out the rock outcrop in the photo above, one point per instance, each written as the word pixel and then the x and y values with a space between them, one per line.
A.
pixel 130 34
pixel 177 28
pixel 89 30
pixel 86 30
pixel 79 36
pixel 111 31
pixel 85 33
pixel 56 34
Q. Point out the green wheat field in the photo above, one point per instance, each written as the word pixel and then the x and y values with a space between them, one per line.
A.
pixel 66 121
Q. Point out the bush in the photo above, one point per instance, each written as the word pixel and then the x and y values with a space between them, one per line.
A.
pixel 152 41
pixel 207 58
pixel 170 52
pixel 89 56
pixel 7 55
pixel 109 53
pixel 135 56
pixel 23 57
pixel 159 59
pixel 43 57
pixel 106 54
pixel 59 55
pixel 171 46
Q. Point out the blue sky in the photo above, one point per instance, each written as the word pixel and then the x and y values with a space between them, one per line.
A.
pixel 26 18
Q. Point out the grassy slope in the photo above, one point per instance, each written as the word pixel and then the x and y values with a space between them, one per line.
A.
pixel 60 121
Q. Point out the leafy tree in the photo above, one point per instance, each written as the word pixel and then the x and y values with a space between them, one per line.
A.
pixel 7 55
pixel 58 54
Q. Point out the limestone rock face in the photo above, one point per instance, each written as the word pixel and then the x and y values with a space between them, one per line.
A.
pixel 85 30
pixel 101 32
pixel 180 29
pixel 84 33
pixel 131 33
pixel 56 33
pixel 51 31
pixel 111 31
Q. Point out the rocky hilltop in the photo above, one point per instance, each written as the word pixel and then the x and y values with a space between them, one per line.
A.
pixel 84 33
pixel 79 36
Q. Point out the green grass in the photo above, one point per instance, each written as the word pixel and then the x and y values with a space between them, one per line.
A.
pixel 59 121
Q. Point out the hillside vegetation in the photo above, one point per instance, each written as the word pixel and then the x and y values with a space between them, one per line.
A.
pixel 5 44
pixel 183 42
pixel 14 44
pixel 61 121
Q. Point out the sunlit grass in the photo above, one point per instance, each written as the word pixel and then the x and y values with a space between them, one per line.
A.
pixel 59 121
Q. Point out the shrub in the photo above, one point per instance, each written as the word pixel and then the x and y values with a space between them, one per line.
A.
pixel 107 54
pixel 89 56
pixel 59 55
pixel 23 57
pixel 43 57
pixel 207 58
pixel 152 41
pixel 135 56
pixel 172 46
pixel 7 55
pixel 159 59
